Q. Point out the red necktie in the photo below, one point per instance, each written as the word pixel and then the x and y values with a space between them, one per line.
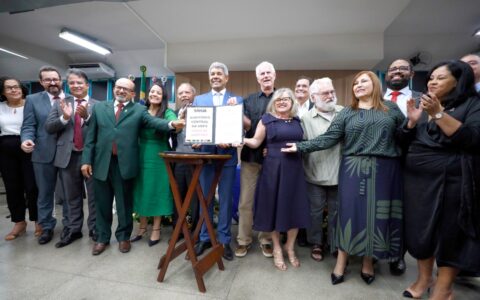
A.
pixel 77 129
pixel 117 116
pixel 395 95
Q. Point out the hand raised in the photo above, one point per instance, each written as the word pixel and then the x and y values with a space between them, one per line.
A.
pixel 82 110
pixel 67 109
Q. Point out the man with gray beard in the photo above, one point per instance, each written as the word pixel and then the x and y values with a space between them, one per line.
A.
pixel 321 167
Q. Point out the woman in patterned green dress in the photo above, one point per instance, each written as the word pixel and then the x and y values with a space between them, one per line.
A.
pixel 152 194
pixel 369 220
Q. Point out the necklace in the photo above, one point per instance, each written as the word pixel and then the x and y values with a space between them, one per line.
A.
pixel 13 107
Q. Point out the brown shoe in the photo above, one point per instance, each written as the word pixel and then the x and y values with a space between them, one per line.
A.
pixel 267 250
pixel 38 230
pixel 18 229
pixel 242 250
pixel 98 248
pixel 124 246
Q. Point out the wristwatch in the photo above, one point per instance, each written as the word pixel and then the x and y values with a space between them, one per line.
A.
pixel 438 116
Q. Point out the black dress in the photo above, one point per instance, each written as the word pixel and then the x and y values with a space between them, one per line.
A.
pixel 440 198
pixel 281 201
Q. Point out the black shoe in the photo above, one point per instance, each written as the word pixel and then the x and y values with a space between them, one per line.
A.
pixel 336 279
pixel 202 246
pixel 152 242
pixel 93 235
pixel 65 233
pixel 46 236
pixel 368 278
pixel 69 239
pixel 398 267
pixel 227 252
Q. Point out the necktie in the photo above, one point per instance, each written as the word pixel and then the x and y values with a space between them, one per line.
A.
pixel 117 116
pixel 394 95
pixel 77 129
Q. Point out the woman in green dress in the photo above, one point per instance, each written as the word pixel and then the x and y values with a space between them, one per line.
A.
pixel 152 194
pixel 369 218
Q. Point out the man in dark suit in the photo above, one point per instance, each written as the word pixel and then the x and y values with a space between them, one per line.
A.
pixel 218 76
pixel 111 155
pixel 69 120
pixel 42 145
pixel 397 79
pixel 183 172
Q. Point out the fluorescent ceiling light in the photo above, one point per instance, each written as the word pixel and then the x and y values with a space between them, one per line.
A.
pixel 84 42
pixel 477 33
pixel 13 53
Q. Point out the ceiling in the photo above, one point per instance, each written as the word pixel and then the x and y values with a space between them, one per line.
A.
pixel 171 36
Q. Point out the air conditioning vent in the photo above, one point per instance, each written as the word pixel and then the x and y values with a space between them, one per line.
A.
pixel 95 70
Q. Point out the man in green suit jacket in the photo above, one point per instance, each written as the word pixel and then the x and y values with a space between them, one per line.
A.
pixel 111 155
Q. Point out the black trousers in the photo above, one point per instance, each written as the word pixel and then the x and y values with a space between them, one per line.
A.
pixel 183 174
pixel 19 179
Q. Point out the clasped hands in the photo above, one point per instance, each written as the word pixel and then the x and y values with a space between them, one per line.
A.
pixel 428 103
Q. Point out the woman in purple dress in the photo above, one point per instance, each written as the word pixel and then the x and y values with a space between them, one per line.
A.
pixel 281 203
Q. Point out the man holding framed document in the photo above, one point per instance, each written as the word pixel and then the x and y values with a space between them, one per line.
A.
pixel 212 122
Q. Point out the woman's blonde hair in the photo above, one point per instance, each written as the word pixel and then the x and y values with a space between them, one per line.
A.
pixel 377 99
pixel 278 94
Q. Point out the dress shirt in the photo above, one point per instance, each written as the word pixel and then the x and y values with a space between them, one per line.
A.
pixel 75 104
pixel 405 95
pixel 303 108
pixel 52 101
pixel 321 167
pixel 218 97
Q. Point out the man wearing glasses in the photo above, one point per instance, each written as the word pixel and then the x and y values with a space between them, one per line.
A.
pixel 111 155
pixel 397 79
pixel 42 145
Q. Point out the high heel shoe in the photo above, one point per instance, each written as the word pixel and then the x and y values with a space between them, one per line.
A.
pixel 278 261
pixel 368 278
pixel 409 293
pixel 292 258
pixel 139 236
pixel 336 279
pixel 18 229
pixel 153 242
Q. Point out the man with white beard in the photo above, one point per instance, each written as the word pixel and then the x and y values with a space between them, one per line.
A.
pixel 321 167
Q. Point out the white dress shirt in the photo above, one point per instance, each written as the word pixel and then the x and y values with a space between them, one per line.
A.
pixel 218 97
pixel 405 95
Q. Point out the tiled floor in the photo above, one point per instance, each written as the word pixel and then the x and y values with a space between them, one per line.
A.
pixel 31 271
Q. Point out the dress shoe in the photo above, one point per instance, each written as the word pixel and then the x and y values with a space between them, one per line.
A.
pixel 242 250
pixel 124 246
pixel 154 242
pixel 200 247
pixel 93 235
pixel 227 252
pixel 398 267
pixel 46 236
pixel 336 279
pixel 69 239
pixel 98 248
pixel 65 233
pixel 139 235
pixel 368 278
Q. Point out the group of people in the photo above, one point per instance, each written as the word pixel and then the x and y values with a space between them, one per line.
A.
pixel 396 171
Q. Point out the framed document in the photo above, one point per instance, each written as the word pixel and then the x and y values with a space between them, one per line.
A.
pixel 210 125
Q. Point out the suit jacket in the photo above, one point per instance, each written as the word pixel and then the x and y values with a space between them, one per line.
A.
pixel 207 100
pixel 103 130
pixel 37 108
pixel 64 132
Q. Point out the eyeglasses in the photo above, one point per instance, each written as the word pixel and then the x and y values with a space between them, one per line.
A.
pixel 119 88
pixel 285 99
pixel 48 80
pixel 11 88
pixel 325 94
pixel 401 68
